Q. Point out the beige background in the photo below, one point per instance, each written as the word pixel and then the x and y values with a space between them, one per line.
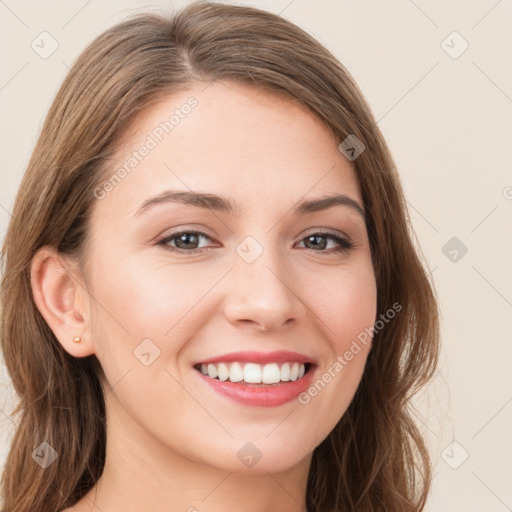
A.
pixel 447 118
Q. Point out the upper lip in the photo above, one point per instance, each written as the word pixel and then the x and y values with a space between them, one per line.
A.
pixel 279 356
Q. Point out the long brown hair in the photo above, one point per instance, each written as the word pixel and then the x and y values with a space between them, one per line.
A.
pixel 375 458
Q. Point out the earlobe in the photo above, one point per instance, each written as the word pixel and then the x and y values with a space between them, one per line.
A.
pixel 62 300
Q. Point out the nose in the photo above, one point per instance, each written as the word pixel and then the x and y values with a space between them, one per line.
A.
pixel 263 293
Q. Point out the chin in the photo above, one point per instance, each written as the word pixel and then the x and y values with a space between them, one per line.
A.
pixel 259 456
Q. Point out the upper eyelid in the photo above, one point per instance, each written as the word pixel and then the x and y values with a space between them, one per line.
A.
pixel 324 231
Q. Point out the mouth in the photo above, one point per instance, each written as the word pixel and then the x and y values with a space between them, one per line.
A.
pixel 254 374
pixel 258 379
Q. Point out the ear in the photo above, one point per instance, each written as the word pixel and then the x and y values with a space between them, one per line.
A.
pixel 62 299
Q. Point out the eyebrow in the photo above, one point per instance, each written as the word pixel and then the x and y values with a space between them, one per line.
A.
pixel 225 205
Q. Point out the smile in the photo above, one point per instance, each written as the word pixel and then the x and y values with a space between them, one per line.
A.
pixel 253 373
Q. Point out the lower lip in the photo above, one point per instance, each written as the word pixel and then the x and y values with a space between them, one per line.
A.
pixel 271 395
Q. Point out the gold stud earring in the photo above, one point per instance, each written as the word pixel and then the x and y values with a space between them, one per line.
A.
pixel 77 339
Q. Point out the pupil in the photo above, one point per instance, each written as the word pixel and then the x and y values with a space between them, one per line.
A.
pixel 314 237
pixel 185 237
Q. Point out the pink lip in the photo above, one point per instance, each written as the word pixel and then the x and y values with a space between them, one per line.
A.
pixel 270 395
pixel 279 356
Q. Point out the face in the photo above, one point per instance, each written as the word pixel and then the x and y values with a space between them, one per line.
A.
pixel 245 286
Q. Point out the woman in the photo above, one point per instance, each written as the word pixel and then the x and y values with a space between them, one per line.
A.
pixel 211 299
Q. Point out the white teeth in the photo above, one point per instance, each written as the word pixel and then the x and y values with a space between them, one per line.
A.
pixel 236 374
pixel 253 373
pixel 294 371
pixel 271 374
pixel 212 371
pixel 223 371
pixel 285 372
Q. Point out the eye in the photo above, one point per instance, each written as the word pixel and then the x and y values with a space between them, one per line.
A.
pixel 188 242
pixel 319 240
pixel 185 241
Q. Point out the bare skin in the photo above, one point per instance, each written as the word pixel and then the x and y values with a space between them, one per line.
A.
pixel 172 441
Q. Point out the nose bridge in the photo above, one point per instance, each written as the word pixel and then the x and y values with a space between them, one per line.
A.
pixel 263 290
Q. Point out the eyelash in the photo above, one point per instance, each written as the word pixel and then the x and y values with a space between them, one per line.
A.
pixel 344 245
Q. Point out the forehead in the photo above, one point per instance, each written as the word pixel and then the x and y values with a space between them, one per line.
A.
pixel 232 140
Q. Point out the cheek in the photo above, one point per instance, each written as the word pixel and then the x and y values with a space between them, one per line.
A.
pixel 137 300
pixel 146 298
pixel 348 312
pixel 348 306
